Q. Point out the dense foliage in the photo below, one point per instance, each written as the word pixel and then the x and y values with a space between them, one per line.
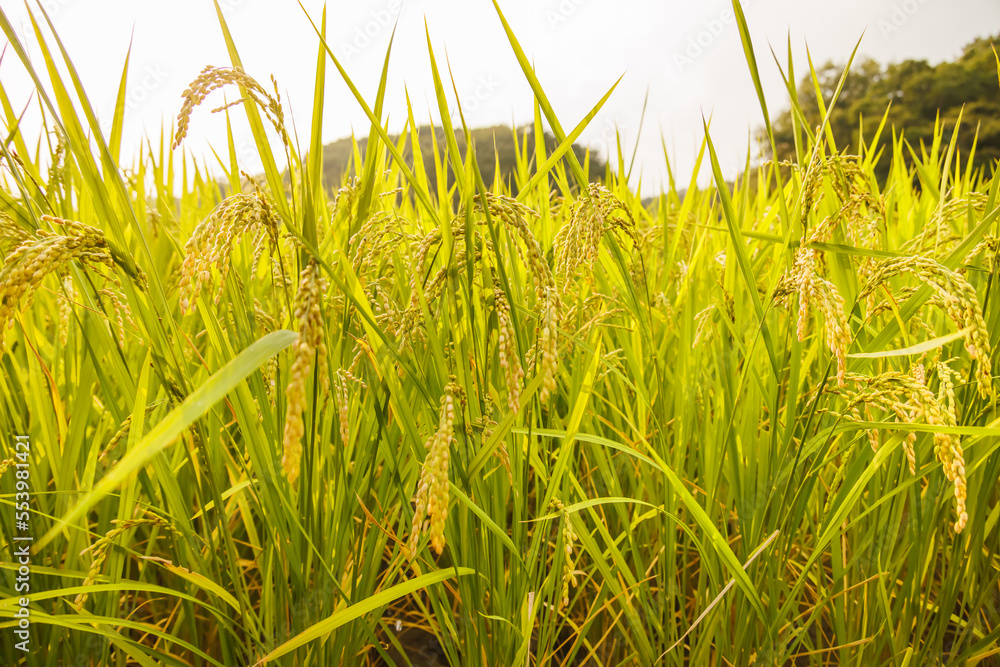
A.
pixel 412 423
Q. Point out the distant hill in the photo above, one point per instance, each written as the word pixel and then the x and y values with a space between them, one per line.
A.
pixel 490 142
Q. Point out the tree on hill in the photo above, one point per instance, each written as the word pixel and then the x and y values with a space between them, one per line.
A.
pixel 494 147
pixel 915 92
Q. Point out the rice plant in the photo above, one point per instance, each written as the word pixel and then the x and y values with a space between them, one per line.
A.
pixel 508 423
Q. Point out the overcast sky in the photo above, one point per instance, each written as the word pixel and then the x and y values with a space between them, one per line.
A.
pixel 687 55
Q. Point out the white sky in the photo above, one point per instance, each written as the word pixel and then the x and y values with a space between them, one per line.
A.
pixel 687 54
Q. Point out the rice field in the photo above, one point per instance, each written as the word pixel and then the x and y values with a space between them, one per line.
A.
pixel 532 422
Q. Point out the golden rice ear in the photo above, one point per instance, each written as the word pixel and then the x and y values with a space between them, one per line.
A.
pixel 548 341
pixel 815 291
pixel 342 378
pixel 122 313
pixel 958 298
pixel 211 245
pixel 377 237
pixel 46 252
pixel 309 345
pixel 569 537
pixel 577 243
pixel 66 299
pixel 514 215
pixel 433 495
pixel 507 350
pixel 988 249
pixel 938 234
pixel 911 401
pixel 211 79
pixel 100 548
pixel 11 236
